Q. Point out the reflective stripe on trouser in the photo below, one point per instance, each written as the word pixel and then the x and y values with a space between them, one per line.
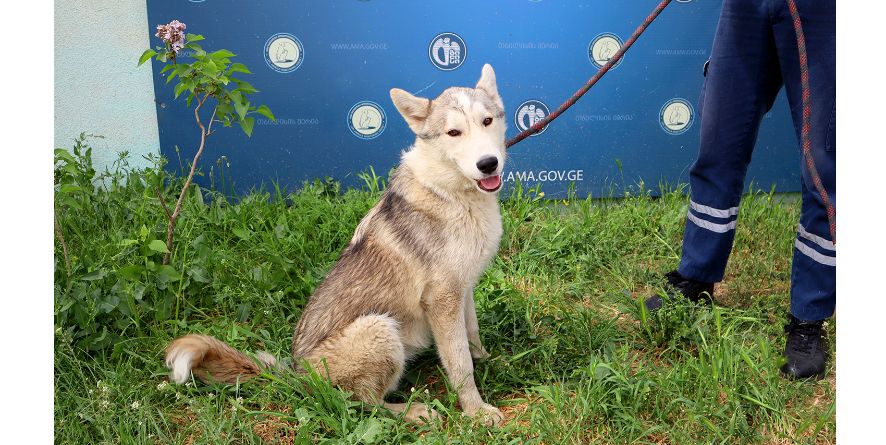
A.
pixel 754 55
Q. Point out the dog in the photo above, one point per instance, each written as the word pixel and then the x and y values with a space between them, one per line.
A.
pixel 407 275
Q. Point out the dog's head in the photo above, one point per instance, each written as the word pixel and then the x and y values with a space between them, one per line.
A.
pixel 462 128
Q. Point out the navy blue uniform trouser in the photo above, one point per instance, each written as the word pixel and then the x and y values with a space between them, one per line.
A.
pixel 754 55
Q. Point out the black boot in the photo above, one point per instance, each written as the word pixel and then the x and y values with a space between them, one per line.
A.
pixel 806 350
pixel 695 291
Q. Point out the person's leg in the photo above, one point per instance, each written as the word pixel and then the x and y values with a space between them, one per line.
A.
pixel 813 274
pixel 741 84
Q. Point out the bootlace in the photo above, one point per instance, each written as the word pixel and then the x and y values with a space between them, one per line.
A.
pixel 675 279
pixel 802 337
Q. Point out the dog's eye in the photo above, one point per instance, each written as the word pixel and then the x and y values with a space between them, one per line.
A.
pixel 453 133
pixel 487 122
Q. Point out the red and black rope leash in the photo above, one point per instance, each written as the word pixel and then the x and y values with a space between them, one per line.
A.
pixel 804 82
pixel 584 89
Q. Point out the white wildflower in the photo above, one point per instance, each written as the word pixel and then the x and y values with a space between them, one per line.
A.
pixel 103 389
pixel 162 385
pixel 135 405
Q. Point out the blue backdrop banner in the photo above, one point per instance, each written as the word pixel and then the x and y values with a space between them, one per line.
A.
pixel 325 69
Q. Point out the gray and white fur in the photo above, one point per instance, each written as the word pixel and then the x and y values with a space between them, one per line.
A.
pixel 406 278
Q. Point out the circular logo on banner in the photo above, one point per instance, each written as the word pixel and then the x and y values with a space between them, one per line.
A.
pixel 284 53
pixel 676 116
pixel 366 120
pixel 447 51
pixel 603 47
pixel 530 112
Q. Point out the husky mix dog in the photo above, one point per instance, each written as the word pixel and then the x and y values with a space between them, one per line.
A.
pixel 407 276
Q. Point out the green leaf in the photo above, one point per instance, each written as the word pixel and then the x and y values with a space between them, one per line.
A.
pixel 158 246
pixel 221 54
pixel 245 87
pixel 242 233
pixel 167 68
pixel 63 155
pixel 367 432
pixel 238 68
pixel 180 70
pixel 68 188
pixel 193 37
pixel 266 112
pixel 223 109
pixel 71 203
pixel 95 275
pixel 196 48
pixel 210 68
pixel 247 124
pixel 199 274
pixel 145 56
pixel 167 273
pixel 179 89
pixel 131 272
pixel 241 106
pixel 71 168
pixel 111 302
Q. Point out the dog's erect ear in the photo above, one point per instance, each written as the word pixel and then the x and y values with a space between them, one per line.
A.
pixel 487 81
pixel 488 85
pixel 414 109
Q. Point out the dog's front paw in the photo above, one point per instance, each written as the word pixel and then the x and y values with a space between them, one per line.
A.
pixel 479 352
pixel 488 414
pixel 420 414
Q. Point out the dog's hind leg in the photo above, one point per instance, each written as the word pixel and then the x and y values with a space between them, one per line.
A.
pixel 367 359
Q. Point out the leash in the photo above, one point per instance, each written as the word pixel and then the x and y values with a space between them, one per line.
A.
pixel 807 114
pixel 804 83
pixel 535 128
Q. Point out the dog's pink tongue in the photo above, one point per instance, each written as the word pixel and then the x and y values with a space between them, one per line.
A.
pixel 491 182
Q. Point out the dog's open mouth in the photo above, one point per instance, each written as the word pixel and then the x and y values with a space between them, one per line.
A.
pixel 490 184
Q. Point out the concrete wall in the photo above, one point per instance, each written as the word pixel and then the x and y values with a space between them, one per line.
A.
pixel 98 88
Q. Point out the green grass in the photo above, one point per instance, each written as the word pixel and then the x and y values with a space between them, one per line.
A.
pixel 574 359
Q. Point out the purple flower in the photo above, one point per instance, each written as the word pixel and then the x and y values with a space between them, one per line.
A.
pixel 172 34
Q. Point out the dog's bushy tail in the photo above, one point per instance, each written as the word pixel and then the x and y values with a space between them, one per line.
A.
pixel 212 361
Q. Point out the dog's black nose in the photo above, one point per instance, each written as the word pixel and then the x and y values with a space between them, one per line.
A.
pixel 487 164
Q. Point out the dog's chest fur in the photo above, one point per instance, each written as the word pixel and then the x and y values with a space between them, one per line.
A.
pixel 462 236
pixel 412 244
